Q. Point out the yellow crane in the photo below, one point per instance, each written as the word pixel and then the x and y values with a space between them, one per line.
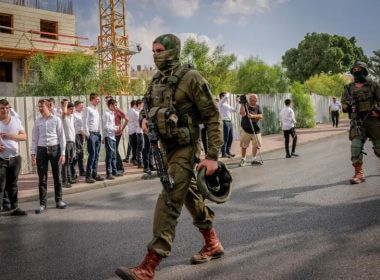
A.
pixel 114 48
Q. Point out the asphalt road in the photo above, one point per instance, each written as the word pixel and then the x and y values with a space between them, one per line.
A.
pixel 288 219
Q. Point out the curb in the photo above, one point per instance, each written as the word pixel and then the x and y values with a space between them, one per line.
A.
pixel 236 160
pixel 83 187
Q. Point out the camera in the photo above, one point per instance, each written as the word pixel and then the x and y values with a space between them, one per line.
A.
pixel 243 99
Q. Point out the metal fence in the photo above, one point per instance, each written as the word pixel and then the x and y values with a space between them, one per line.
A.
pixel 27 108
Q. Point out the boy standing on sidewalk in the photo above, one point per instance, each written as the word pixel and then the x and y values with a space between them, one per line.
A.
pixel 11 132
pixel 91 128
pixel 68 126
pixel 48 144
pixel 109 130
pixel 288 122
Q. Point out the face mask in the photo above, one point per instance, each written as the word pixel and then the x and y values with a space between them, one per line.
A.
pixel 359 76
pixel 167 60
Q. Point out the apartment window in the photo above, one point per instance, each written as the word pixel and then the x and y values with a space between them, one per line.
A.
pixel 49 27
pixel 6 20
pixel 6 72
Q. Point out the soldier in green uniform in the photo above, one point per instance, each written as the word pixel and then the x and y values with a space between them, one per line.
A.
pixel 180 89
pixel 361 99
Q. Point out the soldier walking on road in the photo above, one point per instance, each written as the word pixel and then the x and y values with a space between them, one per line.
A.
pixel 361 99
pixel 182 90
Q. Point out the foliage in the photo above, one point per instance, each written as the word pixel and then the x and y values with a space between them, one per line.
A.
pixel 325 84
pixel 214 67
pixel 110 83
pixel 321 52
pixel 271 122
pixel 253 75
pixel 70 74
pixel 303 105
pixel 375 65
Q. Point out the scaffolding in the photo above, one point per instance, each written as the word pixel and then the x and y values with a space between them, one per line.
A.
pixel 113 43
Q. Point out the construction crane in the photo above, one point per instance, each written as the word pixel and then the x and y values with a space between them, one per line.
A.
pixel 114 48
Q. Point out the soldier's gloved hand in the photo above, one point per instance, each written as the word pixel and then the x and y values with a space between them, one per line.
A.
pixel 209 164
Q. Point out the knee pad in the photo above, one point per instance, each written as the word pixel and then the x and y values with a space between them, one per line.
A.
pixel 376 147
pixel 356 149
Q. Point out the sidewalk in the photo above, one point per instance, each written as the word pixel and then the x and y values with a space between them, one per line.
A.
pixel 28 184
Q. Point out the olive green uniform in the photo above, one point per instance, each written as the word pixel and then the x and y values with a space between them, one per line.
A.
pixel 192 98
pixel 363 125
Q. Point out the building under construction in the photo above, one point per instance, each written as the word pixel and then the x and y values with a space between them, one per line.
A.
pixel 28 27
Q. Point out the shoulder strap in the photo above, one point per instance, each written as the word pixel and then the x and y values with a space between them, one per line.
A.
pixel 175 79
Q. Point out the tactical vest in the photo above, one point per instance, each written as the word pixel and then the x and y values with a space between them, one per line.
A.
pixel 175 127
pixel 363 97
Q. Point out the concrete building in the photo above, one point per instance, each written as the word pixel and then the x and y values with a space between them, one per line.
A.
pixel 26 28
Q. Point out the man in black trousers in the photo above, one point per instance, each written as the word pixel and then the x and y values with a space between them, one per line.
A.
pixel 48 145
pixel 11 132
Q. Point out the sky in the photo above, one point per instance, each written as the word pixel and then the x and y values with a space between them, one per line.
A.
pixel 259 28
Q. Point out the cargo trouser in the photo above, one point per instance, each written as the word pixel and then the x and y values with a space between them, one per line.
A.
pixel 181 163
pixel 370 129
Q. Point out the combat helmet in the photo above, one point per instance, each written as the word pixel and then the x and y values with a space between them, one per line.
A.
pixel 215 187
pixel 362 65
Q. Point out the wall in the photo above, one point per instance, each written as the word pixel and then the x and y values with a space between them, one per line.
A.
pixel 27 108
pixel 10 89
pixel 25 18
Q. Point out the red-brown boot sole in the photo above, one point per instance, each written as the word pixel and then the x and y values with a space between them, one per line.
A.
pixel 125 273
pixel 212 257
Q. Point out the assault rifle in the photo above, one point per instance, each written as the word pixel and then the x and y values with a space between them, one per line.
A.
pixel 153 134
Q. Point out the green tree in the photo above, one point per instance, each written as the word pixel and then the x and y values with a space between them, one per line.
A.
pixel 253 75
pixel 321 52
pixel 110 83
pixel 375 65
pixel 69 74
pixel 214 67
pixel 325 84
pixel 303 106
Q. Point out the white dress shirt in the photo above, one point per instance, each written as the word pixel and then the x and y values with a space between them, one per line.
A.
pixel 78 122
pixel 226 109
pixel 68 127
pixel 48 132
pixel 288 119
pixel 91 120
pixel 11 147
pixel 133 123
pixel 109 127
pixel 335 106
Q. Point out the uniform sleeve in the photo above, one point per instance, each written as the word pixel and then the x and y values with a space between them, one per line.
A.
pixel 209 113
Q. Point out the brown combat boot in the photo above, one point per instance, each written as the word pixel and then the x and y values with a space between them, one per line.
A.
pixel 145 271
pixel 359 174
pixel 212 249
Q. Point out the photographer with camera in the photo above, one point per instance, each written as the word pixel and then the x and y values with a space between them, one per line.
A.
pixel 250 127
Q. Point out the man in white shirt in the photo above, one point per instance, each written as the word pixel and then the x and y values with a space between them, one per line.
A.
pixel 11 132
pixel 109 130
pixel 48 144
pixel 91 128
pixel 130 131
pixel 135 133
pixel 68 127
pixel 334 109
pixel 288 122
pixel 79 140
pixel 225 113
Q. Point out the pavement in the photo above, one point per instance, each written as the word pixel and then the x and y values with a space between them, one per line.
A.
pixel 28 183
pixel 288 219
